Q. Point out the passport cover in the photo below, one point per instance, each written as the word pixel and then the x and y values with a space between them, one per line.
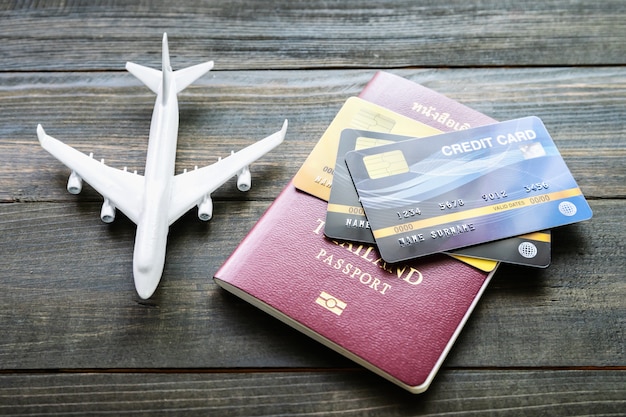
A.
pixel 413 100
pixel 399 321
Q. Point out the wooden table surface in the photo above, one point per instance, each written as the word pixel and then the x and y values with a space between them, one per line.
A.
pixel 76 339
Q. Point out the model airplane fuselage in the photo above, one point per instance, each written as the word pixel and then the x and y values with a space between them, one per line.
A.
pixel 158 198
pixel 152 228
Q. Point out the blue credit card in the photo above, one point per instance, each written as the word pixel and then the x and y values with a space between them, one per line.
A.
pixel 464 188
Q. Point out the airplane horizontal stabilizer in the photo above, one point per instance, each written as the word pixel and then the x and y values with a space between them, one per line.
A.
pixel 149 76
pixel 154 78
pixel 184 77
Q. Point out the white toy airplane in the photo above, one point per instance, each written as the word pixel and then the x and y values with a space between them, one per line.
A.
pixel 158 198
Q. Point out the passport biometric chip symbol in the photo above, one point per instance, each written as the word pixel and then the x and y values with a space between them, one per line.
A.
pixel 330 303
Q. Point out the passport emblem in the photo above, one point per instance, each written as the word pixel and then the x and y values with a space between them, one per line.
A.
pixel 330 303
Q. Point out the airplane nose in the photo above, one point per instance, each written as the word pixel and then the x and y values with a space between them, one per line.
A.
pixel 147 271
pixel 146 280
pixel 148 259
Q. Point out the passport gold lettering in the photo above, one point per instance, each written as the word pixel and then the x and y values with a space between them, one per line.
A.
pixel 443 118
pixel 414 277
pixel 367 253
pixel 374 286
pixel 353 272
pixel 401 271
pixel 320 226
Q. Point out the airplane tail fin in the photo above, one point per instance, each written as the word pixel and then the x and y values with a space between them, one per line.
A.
pixel 166 72
pixel 154 79
pixel 166 55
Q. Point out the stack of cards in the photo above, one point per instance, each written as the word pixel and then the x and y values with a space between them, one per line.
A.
pixel 389 191
pixel 482 195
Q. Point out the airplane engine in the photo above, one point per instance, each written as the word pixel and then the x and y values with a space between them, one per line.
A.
pixel 205 208
pixel 244 179
pixel 107 214
pixel 74 183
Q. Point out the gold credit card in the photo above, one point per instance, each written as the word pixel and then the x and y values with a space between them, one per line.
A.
pixel 316 175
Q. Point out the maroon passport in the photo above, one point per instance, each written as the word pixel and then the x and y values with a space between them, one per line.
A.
pixel 399 320
pixel 421 103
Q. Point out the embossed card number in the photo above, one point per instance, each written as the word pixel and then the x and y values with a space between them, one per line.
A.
pixel 473 186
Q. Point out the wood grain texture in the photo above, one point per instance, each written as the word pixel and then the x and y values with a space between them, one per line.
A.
pixel 109 114
pixel 68 301
pixel 458 392
pixel 75 337
pixel 83 35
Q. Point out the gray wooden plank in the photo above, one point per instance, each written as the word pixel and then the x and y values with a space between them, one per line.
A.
pixel 59 35
pixel 67 299
pixel 454 392
pixel 77 340
pixel 67 285
pixel 109 114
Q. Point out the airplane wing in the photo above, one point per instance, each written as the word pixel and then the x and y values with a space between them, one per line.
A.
pixel 190 188
pixel 123 189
